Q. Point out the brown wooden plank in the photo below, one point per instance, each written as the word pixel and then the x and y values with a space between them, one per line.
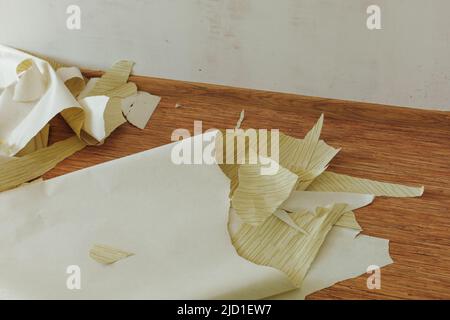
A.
pixel 378 142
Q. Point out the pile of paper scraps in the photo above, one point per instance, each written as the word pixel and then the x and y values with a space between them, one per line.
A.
pixel 282 220
pixel 34 90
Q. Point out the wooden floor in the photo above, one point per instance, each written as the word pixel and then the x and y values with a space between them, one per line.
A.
pixel 378 142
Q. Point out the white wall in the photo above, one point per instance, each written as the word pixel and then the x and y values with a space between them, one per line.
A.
pixel 311 47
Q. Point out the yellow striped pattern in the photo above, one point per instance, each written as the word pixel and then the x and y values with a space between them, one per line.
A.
pixel 39 141
pixel 20 170
pixel 333 182
pixel 258 196
pixel 348 220
pixel 108 255
pixel 276 244
pixel 113 78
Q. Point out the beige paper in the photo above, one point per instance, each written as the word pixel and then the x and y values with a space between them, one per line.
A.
pixel 107 255
pixel 142 109
pixel 173 217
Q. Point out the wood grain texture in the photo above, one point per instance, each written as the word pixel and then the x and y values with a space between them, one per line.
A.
pixel 379 142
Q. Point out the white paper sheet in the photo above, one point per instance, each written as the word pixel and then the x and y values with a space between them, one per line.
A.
pixel 173 218
pixel 141 109
pixel 30 86
pixel 94 110
pixel 66 73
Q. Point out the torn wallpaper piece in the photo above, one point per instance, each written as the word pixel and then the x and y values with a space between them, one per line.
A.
pixel 20 118
pixel 88 88
pixel 276 244
pixel 31 166
pixel 30 86
pixel 39 141
pixel 124 91
pixel 115 77
pixel 94 109
pixel 108 255
pixel 308 200
pixel 127 103
pixel 24 65
pixel 113 116
pixel 258 196
pixel 286 218
pixel 334 182
pixel 348 220
pixel 343 255
pixel 299 200
pixel 4 159
pixel 300 157
pixel 101 101
pixel 139 113
pixel 173 217
pixel 288 235
pixel 307 158
pixel 33 93
pixel 76 117
pixel 53 63
pixel 72 78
